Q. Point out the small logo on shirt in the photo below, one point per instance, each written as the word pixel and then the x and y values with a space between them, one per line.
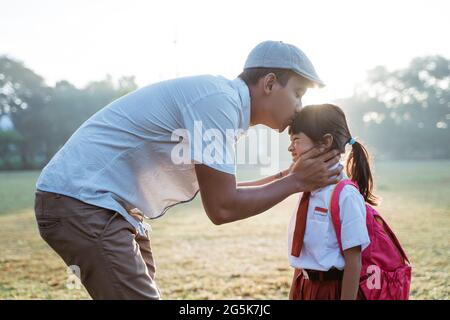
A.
pixel 320 211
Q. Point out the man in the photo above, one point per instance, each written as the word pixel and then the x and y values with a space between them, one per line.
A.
pixel 120 166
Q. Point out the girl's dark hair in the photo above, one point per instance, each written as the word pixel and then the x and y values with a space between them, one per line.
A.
pixel 317 120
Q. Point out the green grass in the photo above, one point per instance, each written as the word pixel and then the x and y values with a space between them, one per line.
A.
pixel 17 191
pixel 246 259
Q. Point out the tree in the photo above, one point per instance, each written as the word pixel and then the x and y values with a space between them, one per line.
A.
pixel 23 96
pixel 405 113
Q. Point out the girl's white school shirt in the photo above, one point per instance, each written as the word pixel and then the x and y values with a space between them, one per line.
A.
pixel 320 249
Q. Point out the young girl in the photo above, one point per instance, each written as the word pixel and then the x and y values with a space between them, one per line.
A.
pixel 321 271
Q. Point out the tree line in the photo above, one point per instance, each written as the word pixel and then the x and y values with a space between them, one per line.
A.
pixel 43 117
pixel 400 114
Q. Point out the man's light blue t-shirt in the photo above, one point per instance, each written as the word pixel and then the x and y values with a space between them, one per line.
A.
pixel 138 152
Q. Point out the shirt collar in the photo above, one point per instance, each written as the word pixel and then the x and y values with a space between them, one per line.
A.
pixel 342 176
pixel 244 95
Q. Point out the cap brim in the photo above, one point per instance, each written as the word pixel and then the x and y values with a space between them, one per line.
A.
pixel 316 82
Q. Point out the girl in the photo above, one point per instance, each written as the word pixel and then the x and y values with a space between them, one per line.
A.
pixel 321 271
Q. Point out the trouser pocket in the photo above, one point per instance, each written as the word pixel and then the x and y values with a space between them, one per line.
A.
pixel 47 222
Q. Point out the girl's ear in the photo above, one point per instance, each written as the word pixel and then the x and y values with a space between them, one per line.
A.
pixel 327 141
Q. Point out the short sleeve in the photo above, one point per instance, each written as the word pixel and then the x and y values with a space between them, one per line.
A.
pixel 212 125
pixel 353 219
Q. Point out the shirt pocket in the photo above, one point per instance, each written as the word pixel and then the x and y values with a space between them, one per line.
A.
pixel 316 237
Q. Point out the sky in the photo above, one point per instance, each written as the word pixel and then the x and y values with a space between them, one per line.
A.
pixel 83 40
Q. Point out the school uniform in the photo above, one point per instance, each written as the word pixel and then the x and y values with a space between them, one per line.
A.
pixel 317 259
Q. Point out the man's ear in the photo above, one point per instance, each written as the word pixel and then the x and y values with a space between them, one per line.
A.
pixel 269 81
pixel 327 141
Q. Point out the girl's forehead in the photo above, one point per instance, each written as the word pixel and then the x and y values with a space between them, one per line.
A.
pixel 299 135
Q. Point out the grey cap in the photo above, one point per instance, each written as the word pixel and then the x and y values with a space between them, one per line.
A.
pixel 277 54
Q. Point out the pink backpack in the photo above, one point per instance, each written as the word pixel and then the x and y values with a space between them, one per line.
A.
pixel 386 270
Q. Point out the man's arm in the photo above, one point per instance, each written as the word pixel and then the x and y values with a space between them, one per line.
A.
pixel 224 202
pixel 264 180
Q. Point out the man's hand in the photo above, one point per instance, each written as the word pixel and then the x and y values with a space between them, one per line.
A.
pixel 312 169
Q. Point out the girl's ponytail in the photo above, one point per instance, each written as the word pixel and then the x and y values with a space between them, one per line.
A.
pixel 358 170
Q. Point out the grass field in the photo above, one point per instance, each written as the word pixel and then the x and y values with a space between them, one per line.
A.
pixel 243 260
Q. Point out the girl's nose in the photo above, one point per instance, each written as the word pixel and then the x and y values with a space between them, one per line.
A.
pixel 290 148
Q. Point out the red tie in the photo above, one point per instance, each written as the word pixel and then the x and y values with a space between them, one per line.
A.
pixel 300 225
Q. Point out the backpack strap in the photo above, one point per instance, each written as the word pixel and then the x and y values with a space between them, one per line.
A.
pixel 335 210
